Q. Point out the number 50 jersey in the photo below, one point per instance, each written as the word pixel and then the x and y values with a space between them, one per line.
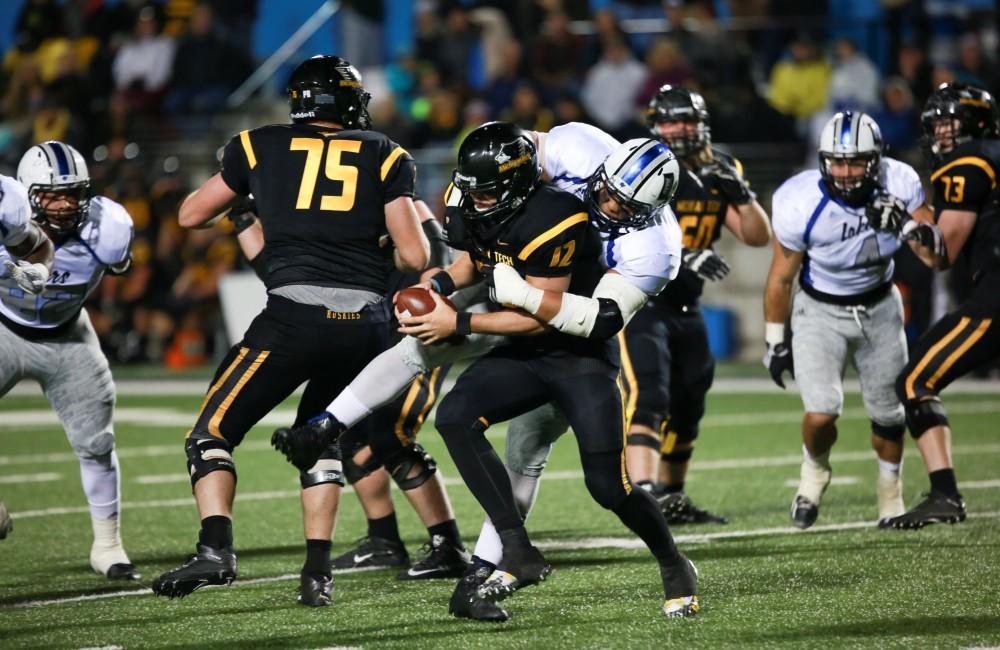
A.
pixel 321 196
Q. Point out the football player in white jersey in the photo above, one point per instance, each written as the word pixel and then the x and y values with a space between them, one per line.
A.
pixel 45 333
pixel 847 307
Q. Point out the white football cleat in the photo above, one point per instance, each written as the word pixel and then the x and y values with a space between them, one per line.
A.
pixel 107 555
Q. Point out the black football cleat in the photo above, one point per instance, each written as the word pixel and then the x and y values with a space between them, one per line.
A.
pixel 6 524
pixel 515 571
pixel 442 559
pixel 373 553
pixel 678 509
pixel 680 588
pixel 936 508
pixel 467 603
pixel 315 590
pixel 123 571
pixel 804 512
pixel 209 566
pixel 304 444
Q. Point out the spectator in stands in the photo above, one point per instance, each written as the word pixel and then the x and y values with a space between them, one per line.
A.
pixel 916 70
pixel 499 94
pixel 527 110
pixel 665 64
pixel 234 21
pixel 971 67
pixel 458 55
pixel 898 118
pixel 569 109
pixel 612 86
pixel 387 117
pixel 800 85
pixel 205 68
pixel 556 55
pixel 607 28
pixel 854 82
pixel 443 120
pixel 143 64
pixel 39 20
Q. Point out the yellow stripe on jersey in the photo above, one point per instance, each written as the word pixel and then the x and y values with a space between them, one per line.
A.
pixel 969 160
pixel 391 159
pixel 248 149
pixel 552 232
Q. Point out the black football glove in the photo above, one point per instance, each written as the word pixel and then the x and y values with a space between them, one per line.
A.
pixel 777 360
pixel 243 214
pixel 708 264
pixel 304 444
pixel 928 235
pixel 728 180
pixel 886 212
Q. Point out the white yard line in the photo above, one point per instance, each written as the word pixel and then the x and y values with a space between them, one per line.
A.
pixel 562 545
pixel 836 480
pixel 43 477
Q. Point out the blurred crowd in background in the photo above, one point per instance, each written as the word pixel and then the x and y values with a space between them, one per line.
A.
pixel 132 83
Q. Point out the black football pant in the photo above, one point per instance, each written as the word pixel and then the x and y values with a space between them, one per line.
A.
pixel 511 381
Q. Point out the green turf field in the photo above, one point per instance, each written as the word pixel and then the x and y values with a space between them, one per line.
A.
pixel 763 584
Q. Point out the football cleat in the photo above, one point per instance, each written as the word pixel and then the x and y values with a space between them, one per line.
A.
pixel 315 589
pixel 680 588
pixel 466 601
pixel 373 553
pixel 804 512
pixel 6 524
pixel 304 444
pixel 122 571
pixel 889 490
pixel 514 572
pixel 936 508
pixel 678 509
pixel 442 559
pixel 209 566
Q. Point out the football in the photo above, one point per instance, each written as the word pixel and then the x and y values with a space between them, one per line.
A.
pixel 416 301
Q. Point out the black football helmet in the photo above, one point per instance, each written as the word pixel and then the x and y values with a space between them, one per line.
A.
pixel 974 109
pixel 677 104
pixel 328 88
pixel 495 159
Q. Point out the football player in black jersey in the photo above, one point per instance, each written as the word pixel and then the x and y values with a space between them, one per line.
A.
pixel 961 126
pixel 385 449
pixel 545 235
pixel 326 190
pixel 672 366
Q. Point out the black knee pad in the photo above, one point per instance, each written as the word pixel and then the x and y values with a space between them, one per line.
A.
pixel 401 464
pixel 605 478
pixel 678 445
pixel 207 455
pixel 649 418
pixel 328 469
pixel 923 415
pixel 892 432
pixel 354 471
pixel 650 440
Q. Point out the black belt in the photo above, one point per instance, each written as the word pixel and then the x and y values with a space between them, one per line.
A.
pixel 864 299
pixel 374 313
pixel 40 333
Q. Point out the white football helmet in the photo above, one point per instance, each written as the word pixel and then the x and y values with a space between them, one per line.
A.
pixel 55 172
pixel 641 175
pixel 851 136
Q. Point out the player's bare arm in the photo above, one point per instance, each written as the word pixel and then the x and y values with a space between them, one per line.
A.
pixel 412 250
pixel 749 223
pixel 785 265
pixel 203 205
pixel 36 248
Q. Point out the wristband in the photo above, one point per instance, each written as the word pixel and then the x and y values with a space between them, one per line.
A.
pixel 774 333
pixel 463 323
pixel 443 283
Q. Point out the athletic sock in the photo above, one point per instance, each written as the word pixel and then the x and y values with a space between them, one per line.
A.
pixel 448 530
pixel 943 481
pixel 822 461
pixel 216 532
pixel 887 469
pixel 317 556
pixel 384 527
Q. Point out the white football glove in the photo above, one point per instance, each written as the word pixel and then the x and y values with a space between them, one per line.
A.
pixel 708 264
pixel 886 212
pixel 28 276
pixel 509 288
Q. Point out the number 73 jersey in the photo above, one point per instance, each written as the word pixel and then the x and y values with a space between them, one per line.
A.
pixel 321 196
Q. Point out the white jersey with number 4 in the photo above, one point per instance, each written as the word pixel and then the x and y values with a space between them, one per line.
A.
pixel 648 258
pixel 102 240
pixel 844 255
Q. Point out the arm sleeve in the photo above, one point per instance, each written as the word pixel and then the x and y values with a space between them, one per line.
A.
pixel 235 165
pixel 398 173
pixel 964 186
pixel 553 253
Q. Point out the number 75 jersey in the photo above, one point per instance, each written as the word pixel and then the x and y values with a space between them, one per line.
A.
pixel 321 196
